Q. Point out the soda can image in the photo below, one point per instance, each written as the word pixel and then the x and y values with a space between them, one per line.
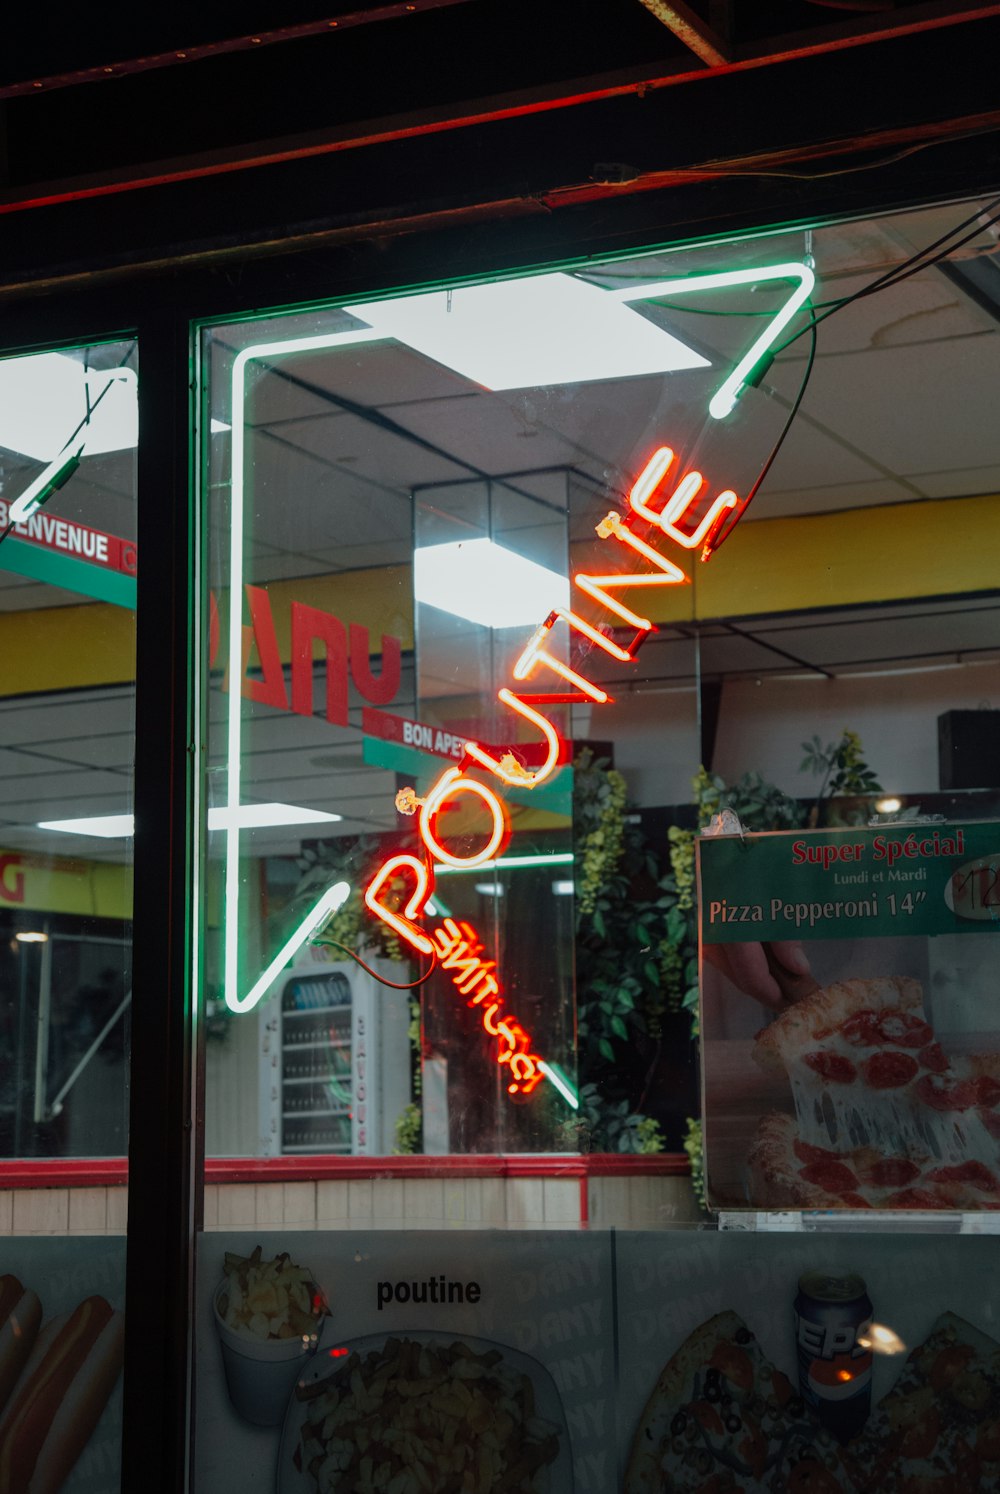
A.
pixel 832 1312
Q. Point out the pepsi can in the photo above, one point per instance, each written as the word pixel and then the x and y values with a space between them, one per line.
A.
pixel 833 1317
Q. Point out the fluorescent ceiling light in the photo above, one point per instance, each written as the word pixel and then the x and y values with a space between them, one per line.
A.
pixel 257 816
pixel 105 826
pixel 487 584
pixel 518 334
pixel 563 889
pixel 489 889
pixel 217 427
pixel 43 398
pixel 31 936
pixel 247 817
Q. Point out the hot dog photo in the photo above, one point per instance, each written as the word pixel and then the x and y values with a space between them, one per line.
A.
pixel 61 1348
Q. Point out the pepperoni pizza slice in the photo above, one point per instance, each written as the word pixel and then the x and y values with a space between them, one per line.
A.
pixel 723 1420
pixel 937 1431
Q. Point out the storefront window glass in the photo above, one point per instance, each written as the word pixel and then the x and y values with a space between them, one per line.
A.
pixel 67 568
pixel 406 496
pixel 68 433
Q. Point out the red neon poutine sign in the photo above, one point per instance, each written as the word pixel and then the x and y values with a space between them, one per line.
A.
pixel 651 485
pixel 460 952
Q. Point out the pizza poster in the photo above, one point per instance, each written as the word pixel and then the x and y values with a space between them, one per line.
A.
pixel 61 1351
pixel 808 1363
pixel 850 1018
pixel 405 1361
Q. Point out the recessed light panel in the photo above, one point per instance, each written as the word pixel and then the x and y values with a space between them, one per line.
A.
pixel 517 334
pixel 486 583
pixel 43 398
pixel 247 817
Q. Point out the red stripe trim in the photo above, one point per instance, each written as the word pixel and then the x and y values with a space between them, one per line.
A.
pixel 593 91
pixel 113 1171
pixel 89 1172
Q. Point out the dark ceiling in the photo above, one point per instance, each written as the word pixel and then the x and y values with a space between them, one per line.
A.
pixel 138 136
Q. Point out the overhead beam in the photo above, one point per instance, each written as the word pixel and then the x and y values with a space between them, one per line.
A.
pixel 690 29
pixel 183 55
pixel 654 76
pixel 785 162
pixel 860 30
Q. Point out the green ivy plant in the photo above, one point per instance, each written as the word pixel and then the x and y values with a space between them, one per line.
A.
pixel 696 1156
pixel 610 1126
pixel 409 1131
pixel 842 770
pixel 760 805
pixel 599 813
pixel 634 961
pixel 631 920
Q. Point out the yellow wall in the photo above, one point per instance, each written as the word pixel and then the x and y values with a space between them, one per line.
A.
pixel 65 648
pixel 896 551
pixel 58 884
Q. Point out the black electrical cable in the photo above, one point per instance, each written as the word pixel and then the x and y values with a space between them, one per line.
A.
pixel 924 259
pixel 908 267
pixel 724 534
pixel 905 268
pixel 409 985
pixel 973 221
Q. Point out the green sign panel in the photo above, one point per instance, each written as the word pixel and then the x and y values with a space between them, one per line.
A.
pixel 849 884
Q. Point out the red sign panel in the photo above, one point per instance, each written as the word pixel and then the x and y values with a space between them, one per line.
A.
pixel 49 532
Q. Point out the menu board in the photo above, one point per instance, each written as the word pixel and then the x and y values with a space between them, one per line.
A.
pixel 484 1357
pixel 686 1361
pixel 808 1364
pixel 851 1018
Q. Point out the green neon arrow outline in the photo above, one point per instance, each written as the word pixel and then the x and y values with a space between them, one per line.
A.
pixel 724 399
pixel 719 407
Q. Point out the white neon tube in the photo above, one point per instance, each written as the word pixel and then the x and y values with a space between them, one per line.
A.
pixel 554 1077
pixel 34 495
pixel 234 741
pixel 557 858
pixel 725 397
pixel 332 899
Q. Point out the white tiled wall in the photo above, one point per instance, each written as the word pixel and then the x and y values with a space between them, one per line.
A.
pixel 384 1203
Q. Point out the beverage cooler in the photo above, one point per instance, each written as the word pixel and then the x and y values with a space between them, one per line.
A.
pixel 335 1062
